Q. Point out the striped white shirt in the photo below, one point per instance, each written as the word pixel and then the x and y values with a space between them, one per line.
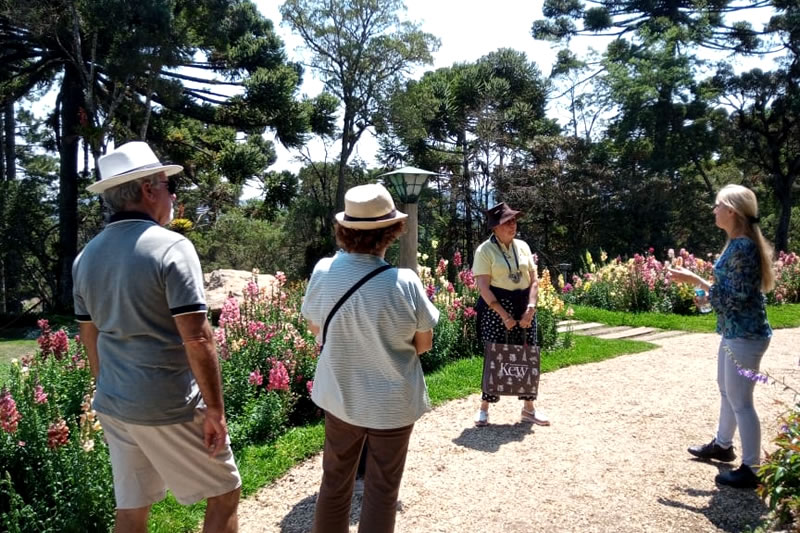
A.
pixel 369 374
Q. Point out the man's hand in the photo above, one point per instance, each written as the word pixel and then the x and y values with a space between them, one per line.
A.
pixel 215 431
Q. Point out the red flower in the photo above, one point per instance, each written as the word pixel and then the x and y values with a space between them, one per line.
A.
pixel 9 416
pixel 57 434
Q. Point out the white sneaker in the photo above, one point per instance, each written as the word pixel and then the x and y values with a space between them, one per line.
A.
pixel 482 418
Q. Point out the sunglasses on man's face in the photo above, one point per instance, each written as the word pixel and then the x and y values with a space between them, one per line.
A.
pixel 172 185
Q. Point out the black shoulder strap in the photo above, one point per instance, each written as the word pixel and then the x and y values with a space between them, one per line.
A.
pixel 347 295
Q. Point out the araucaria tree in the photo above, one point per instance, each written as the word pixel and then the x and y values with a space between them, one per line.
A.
pixel 119 63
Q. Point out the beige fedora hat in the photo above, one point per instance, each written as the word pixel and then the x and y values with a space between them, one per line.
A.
pixel 130 161
pixel 368 207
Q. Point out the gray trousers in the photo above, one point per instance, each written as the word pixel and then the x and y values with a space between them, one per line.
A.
pixel 736 405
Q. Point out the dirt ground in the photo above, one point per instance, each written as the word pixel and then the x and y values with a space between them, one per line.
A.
pixel 614 459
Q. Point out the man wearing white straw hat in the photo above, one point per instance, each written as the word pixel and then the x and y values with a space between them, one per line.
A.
pixel 138 291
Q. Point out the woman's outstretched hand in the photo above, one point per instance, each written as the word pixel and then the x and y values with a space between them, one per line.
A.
pixel 682 275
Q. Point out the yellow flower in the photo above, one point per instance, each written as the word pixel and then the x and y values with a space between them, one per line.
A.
pixel 424 257
pixel 434 244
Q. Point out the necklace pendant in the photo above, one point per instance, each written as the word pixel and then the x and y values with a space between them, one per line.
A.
pixel 515 276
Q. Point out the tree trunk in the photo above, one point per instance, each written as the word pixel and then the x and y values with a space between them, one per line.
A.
pixel 71 98
pixel 3 245
pixel 10 141
pixel 783 193
pixel 347 149
pixel 467 193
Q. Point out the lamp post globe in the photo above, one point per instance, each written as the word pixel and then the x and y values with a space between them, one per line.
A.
pixel 407 184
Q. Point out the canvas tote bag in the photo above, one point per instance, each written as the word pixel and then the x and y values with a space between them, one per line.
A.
pixel 511 369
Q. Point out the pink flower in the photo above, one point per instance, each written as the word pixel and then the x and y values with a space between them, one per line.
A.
pixel 60 344
pixel 566 288
pixel 469 312
pixel 230 312
pixel 281 278
pixel 57 434
pixel 252 289
pixel 441 268
pixel 457 259
pixel 278 377
pixel 451 315
pixel 430 290
pixel 21 443
pixel 219 336
pixel 450 288
pixel 309 386
pixel 467 278
pixel 255 378
pixel 39 395
pixel 9 416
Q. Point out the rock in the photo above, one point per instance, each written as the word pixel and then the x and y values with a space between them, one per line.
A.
pixel 222 283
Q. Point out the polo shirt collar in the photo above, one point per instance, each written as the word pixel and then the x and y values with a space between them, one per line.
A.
pixel 130 215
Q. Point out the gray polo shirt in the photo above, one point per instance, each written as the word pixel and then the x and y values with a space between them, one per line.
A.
pixel 369 373
pixel 131 280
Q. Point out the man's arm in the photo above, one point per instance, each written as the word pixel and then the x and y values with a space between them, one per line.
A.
pixel 198 340
pixel 89 333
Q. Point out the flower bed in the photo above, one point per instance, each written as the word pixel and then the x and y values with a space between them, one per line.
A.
pixel 641 283
pixel 54 467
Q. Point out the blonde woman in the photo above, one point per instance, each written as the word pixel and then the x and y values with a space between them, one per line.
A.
pixel 742 274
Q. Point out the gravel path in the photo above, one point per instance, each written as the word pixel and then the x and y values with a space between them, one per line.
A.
pixel 614 459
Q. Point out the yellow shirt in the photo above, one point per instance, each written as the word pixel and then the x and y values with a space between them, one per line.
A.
pixel 489 261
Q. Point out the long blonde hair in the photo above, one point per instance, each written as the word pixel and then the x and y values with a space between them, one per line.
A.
pixel 745 206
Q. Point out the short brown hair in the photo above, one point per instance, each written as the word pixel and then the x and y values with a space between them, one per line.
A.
pixel 368 241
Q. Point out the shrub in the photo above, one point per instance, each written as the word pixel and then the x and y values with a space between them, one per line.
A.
pixel 268 358
pixel 780 473
pixel 55 472
pixel 638 284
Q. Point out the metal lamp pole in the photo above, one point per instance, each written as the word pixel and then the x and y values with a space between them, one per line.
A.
pixel 407 184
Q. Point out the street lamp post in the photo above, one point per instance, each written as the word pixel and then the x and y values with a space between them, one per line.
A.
pixel 407 184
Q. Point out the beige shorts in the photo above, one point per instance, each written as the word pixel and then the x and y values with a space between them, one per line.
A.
pixel 147 460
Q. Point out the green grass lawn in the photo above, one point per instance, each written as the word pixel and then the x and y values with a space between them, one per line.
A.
pixel 260 465
pixel 13 349
pixel 779 316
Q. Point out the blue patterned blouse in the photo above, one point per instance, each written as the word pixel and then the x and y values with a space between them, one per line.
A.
pixel 736 293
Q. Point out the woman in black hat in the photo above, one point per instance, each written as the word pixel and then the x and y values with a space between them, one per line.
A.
pixel 505 271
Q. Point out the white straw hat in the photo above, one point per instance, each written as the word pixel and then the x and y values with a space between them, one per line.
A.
pixel 130 161
pixel 368 207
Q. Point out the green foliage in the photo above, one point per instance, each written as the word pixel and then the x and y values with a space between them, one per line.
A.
pixel 639 284
pixel 780 474
pixel 54 466
pixel 240 242
pixel 268 358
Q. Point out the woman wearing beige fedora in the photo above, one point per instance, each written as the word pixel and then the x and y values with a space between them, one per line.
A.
pixel 374 321
pixel 506 275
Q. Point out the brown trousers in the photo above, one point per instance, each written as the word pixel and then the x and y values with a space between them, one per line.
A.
pixel 386 459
